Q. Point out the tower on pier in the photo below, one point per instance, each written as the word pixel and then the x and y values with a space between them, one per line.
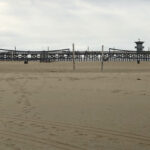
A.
pixel 139 46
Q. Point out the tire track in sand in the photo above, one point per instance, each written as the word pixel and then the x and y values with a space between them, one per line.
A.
pixel 94 130
pixel 43 141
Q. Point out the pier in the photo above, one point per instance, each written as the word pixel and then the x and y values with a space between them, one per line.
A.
pixel 67 55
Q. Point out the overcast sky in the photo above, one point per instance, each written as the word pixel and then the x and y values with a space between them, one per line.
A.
pixel 37 24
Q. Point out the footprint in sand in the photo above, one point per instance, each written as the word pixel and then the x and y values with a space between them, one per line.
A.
pixel 19 101
pixel 27 103
pixel 116 91
pixel 13 146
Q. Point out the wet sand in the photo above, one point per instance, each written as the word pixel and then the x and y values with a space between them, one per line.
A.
pixel 47 106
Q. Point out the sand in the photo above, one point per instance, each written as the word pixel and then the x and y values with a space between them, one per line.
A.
pixel 47 106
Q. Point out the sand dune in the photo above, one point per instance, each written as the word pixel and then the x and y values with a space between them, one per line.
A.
pixel 47 106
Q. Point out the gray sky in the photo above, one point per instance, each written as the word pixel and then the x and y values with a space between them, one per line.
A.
pixel 37 24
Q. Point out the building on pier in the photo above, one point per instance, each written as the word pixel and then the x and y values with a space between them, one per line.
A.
pixel 139 46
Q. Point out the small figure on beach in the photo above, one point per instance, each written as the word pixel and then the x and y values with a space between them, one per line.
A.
pixel 26 61
pixel 138 61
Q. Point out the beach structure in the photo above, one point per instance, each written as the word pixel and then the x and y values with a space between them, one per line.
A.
pixel 67 55
pixel 139 46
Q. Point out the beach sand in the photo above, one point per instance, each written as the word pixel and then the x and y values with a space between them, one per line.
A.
pixel 47 106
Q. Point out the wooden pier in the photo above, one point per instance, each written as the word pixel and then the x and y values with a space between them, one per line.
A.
pixel 67 55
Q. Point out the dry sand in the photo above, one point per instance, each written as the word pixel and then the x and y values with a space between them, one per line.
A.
pixel 49 107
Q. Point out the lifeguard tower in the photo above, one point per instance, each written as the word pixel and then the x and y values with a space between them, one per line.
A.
pixel 139 46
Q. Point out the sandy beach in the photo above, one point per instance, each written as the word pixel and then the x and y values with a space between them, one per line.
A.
pixel 47 106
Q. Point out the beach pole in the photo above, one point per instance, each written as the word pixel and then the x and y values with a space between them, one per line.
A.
pixel 102 61
pixel 12 56
pixel 48 54
pixel 73 57
pixel 13 53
